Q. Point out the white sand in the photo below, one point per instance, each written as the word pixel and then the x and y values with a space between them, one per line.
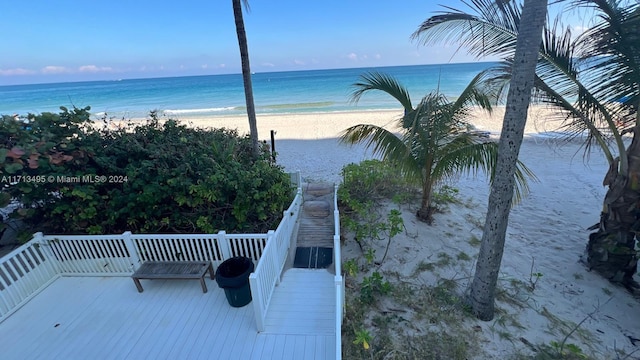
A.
pixel 548 229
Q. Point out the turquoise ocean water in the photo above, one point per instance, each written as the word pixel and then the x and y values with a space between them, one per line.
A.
pixel 274 93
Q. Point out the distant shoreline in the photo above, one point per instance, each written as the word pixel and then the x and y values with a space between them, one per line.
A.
pixel 325 125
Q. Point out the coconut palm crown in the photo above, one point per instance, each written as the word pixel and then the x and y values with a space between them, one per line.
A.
pixel 435 142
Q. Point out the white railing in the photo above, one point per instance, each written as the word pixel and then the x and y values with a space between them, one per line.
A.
pixel 199 247
pixel 120 255
pixel 267 273
pixel 89 255
pixel 27 270
pixel 33 266
pixel 24 272
pixel 338 280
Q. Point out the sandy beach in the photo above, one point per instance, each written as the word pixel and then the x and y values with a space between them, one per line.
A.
pixel 304 136
pixel 314 126
pixel 547 232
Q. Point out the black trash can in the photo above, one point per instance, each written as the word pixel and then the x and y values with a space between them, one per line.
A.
pixel 233 276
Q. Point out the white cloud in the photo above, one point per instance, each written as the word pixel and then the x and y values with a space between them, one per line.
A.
pixel 94 69
pixel 17 71
pixel 51 69
pixel 204 66
pixel 222 65
pixel 267 64
pixel 377 56
pixel 577 30
pixel 352 56
pixel 298 62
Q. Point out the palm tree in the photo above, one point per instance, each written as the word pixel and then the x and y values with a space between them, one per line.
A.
pixel 594 82
pixel 246 74
pixel 483 286
pixel 435 141
pixel 615 43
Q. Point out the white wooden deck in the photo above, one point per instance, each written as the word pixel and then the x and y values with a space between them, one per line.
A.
pixel 106 318
pixel 303 303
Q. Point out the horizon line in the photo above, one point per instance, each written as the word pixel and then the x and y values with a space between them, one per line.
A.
pixel 239 73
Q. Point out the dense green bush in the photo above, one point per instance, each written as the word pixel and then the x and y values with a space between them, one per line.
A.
pixel 70 176
pixel 373 180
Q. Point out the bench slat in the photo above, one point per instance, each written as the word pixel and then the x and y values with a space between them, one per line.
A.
pixel 173 270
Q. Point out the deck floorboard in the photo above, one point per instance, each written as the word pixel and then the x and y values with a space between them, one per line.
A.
pixel 106 318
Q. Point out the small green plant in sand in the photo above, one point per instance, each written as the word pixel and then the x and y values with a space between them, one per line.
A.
pixel 463 256
pixel 373 285
pixel 370 256
pixel 444 259
pixel 446 194
pixel 474 241
pixel 423 266
pixel 556 350
pixel 534 277
pixel 393 227
pixel 363 337
pixel 350 267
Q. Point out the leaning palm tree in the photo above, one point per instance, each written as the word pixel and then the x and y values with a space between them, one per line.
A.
pixel 435 141
pixel 246 74
pixel 594 82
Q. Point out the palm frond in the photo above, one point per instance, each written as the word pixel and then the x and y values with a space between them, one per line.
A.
pixel 384 143
pixel 478 92
pixel 464 154
pixel 382 82
pixel 492 30
pixel 467 155
pixel 614 43
pixel 245 3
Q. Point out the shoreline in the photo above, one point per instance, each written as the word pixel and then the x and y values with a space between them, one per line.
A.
pixel 327 125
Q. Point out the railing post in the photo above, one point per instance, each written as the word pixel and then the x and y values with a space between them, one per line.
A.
pixel 276 258
pixel 256 295
pixel 38 238
pixel 131 248
pixel 286 219
pixel 223 243
pixel 338 285
pixel 344 297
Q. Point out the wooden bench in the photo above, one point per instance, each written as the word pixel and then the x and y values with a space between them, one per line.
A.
pixel 173 270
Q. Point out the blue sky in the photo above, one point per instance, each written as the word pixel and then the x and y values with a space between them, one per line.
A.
pixel 73 40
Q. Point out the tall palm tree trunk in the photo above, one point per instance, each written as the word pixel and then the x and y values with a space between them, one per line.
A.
pixel 483 286
pixel 246 76
pixel 611 250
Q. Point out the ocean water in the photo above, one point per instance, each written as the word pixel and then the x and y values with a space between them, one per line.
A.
pixel 275 92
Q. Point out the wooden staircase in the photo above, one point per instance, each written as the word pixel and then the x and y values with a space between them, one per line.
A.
pixel 315 233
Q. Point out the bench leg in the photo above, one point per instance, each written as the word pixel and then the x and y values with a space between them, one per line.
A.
pixel 138 285
pixel 211 272
pixel 204 285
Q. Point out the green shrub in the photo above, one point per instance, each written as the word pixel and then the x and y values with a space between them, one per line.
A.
pixel 150 177
pixel 372 180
